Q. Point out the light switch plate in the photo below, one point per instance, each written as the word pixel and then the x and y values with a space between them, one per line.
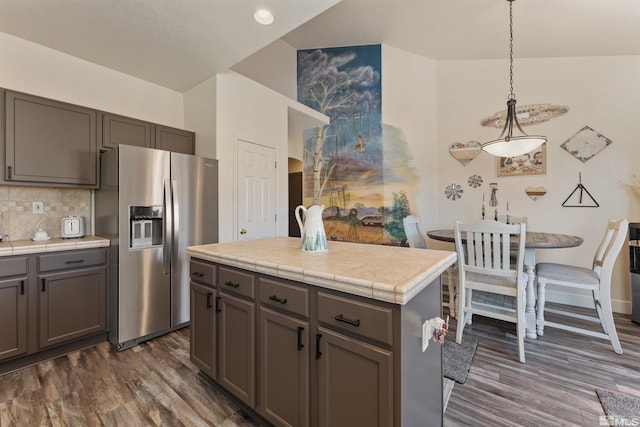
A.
pixel 427 331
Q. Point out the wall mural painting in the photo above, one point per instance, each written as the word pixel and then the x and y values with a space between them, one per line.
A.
pixel 355 166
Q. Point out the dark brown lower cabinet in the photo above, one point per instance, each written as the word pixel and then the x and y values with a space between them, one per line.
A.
pixel 13 317
pixel 283 366
pixel 355 382
pixel 203 328
pixel 72 305
pixel 236 347
pixel 51 303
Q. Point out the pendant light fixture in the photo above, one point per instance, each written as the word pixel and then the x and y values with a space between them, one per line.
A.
pixel 507 144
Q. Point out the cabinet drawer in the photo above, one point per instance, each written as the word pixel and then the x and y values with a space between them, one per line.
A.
pixel 203 272
pixel 355 317
pixel 294 299
pixel 13 267
pixel 66 260
pixel 236 281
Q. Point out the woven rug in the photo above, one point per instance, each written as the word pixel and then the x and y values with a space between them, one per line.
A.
pixel 619 407
pixel 457 358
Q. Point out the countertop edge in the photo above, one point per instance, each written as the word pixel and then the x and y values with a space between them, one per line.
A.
pixel 400 294
pixel 27 247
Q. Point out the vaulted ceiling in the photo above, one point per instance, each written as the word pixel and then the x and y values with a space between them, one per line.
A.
pixel 178 44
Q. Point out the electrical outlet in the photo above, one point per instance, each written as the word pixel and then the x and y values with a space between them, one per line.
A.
pixel 38 208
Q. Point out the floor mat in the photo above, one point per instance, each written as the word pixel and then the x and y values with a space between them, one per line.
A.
pixel 457 358
pixel 621 409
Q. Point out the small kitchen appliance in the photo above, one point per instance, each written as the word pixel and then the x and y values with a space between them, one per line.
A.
pixel 72 227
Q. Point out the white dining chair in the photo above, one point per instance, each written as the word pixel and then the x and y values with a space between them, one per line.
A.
pixel 596 279
pixel 484 264
pixel 417 240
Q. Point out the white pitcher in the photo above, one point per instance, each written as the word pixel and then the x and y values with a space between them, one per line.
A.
pixel 312 232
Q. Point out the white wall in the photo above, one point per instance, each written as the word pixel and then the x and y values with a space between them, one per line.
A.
pixel 278 63
pixel 602 92
pixel 39 70
pixel 409 102
pixel 250 112
pixel 200 116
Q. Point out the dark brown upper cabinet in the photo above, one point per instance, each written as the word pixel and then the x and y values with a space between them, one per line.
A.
pixel 176 140
pixel 125 130
pixel 57 144
pixel 49 141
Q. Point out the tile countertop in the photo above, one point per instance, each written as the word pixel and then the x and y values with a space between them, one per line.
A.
pixel 385 273
pixel 24 247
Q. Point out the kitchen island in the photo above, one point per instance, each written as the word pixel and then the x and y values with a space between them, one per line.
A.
pixel 320 339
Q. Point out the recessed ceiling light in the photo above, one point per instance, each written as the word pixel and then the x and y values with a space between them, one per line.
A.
pixel 263 17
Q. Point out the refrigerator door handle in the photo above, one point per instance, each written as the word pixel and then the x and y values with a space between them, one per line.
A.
pixel 175 223
pixel 168 229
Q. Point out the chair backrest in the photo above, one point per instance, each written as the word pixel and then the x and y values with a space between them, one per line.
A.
pixel 412 231
pixel 513 219
pixel 609 248
pixel 485 247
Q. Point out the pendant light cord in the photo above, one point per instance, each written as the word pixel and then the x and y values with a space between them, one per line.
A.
pixel 504 146
pixel 511 95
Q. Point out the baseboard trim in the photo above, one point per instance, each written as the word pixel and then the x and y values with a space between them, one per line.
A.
pixel 584 300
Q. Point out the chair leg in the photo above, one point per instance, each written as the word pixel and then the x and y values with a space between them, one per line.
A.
pixel 540 308
pixel 598 305
pixel 468 296
pixel 608 323
pixel 461 315
pixel 452 295
pixel 520 325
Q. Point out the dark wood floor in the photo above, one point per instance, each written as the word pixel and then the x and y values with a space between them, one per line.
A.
pixel 151 384
pixel 557 385
pixel 156 384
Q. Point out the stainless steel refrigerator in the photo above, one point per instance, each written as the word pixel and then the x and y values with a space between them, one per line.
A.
pixel 152 204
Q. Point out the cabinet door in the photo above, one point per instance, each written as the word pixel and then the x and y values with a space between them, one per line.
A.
pixel 71 305
pixel 283 368
pixel 355 382
pixel 13 318
pixel 124 130
pixel 203 328
pixel 50 141
pixel 176 140
pixel 236 347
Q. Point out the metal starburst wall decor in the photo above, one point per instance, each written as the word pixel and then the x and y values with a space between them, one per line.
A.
pixel 453 191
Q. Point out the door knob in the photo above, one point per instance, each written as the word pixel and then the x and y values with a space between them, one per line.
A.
pixel 243 231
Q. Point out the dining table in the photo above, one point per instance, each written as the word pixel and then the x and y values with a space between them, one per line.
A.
pixel 534 240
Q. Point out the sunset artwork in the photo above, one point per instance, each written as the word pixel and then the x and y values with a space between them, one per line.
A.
pixel 356 166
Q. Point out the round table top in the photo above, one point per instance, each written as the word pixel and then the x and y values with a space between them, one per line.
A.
pixel 534 239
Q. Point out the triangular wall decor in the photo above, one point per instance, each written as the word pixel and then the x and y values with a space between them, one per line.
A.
pixel 577 197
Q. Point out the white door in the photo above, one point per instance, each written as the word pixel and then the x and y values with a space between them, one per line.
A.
pixel 256 191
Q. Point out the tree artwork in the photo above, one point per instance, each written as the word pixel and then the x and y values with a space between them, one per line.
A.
pixel 344 162
pixel 328 85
